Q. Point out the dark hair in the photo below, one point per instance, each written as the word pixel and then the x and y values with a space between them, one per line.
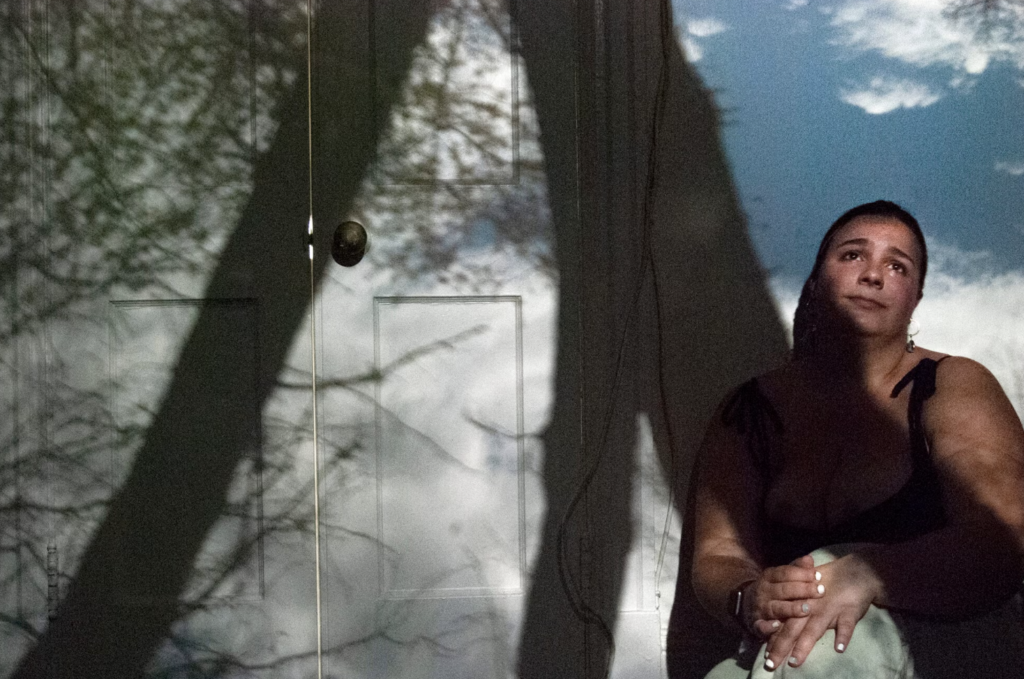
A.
pixel 804 318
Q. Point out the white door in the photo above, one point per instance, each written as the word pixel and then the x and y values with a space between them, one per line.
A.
pixel 443 408
pixel 436 350
pixel 155 499
pixel 162 321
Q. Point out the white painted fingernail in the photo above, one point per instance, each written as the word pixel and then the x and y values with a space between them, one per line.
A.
pixel 841 647
pixel 817 575
pixel 805 608
pixel 821 589
pixel 775 624
pixel 769 664
pixel 793 661
pixel 766 653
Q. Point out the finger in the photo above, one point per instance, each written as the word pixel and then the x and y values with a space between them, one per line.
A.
pixel 791 573
pixel 813 630
pixel 844 632
pixel 784 610
pixel 781 643
pixel 772 607
pixel 790 591
pixel 766 628
pixel 806 561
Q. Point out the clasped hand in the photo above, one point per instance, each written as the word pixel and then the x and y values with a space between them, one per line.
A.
pixel 793 606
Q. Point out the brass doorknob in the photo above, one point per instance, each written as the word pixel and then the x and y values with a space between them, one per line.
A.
pixel 349 243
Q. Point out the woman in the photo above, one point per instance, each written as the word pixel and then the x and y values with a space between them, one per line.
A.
pixel 909 462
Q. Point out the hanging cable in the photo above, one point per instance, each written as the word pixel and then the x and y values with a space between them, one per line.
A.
pixel 312 341
pixel 667 44
pixel 577 602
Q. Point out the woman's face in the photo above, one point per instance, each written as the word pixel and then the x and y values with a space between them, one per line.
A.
pixel 871 275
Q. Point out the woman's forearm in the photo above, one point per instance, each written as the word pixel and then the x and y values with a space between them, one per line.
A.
pixel 958 570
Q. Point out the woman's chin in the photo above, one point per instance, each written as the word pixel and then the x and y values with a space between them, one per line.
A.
pixel 867 326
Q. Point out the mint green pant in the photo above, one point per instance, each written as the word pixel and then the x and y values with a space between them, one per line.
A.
pixel 889 645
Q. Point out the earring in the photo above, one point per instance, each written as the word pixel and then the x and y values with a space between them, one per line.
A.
pixel 911 332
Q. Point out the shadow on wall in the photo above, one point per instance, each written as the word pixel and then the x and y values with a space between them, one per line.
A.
pixel 669 310
pixel 114 618
pixel 680 294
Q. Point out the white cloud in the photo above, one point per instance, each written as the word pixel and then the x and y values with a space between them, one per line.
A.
pixel 979 317
pixel 1012 167
pixel 705 28
pixel 695 29
pixel 920 33
pixel 884 94
pixel 795 4
pixel 967 310
pixel 694 52
pixel 955 263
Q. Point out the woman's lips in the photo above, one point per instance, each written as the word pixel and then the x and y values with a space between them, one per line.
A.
pixel 866 303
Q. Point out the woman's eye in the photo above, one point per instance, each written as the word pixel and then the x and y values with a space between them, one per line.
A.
pixel 852 254
pixel 899 266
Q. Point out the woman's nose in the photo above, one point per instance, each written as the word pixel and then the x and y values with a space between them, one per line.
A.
pixel 871 276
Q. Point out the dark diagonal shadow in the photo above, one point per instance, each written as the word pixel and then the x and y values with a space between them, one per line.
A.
pixel 662 306
pixel 197 438
pixel 670 349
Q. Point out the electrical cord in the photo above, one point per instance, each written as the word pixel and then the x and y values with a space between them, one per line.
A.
pixel 583 610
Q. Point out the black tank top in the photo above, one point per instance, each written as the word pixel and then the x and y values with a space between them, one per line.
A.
pixel 915 509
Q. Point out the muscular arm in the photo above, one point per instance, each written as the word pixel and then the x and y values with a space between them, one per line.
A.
pixel 725 553
pixel 729 496
pixel 971 565
pixel 977 444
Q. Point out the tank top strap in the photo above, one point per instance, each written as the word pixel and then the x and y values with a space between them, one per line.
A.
pixel 923 378
pixel 753 416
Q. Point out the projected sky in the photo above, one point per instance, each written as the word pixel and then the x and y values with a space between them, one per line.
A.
pixel 830 104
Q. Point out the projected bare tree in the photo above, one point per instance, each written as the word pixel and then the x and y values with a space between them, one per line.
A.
pixel 158 151
pixel 989 17
pixel 133 132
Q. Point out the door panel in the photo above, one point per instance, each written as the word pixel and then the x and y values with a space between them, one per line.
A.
pixel 436 367
pixel 457 119
pixel 157 470
pixel 450 475
pixel 435 359
pixel 161 484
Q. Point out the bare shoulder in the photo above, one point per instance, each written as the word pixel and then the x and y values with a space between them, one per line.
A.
pixel 725 436
pixel 969 407
pixel 977 443
pixel 966 381
pixel 765 384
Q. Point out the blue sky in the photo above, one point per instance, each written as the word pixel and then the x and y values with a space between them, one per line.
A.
pixel 830 104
